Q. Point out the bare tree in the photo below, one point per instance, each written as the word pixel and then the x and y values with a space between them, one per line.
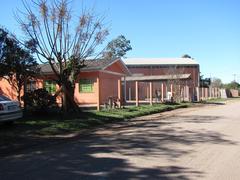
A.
pixel 62 40
pixel 216 82
pixel 175 74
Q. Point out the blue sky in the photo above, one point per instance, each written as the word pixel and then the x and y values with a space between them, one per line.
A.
pixel 208 30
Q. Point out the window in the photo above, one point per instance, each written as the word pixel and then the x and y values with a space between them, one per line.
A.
pixel 86 85
pixel 50 86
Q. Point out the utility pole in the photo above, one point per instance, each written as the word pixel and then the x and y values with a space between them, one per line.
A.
pixel 234 75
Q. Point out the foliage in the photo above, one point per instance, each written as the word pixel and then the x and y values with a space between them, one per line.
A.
pixel 232 85
pixel 62 40
pixel 16 62
pixel 205 82
pixel 40 100
pixel 117 47
pixel 3 36
pixel 186 56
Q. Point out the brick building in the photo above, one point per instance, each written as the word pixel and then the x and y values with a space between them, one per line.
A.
pixel 165 74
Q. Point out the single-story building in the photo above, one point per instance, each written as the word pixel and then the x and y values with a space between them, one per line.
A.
pixel 97 81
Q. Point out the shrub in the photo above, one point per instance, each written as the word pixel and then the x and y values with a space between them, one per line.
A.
pixel 40 100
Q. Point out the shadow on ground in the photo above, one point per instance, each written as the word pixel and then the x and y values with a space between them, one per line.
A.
pixel 107 154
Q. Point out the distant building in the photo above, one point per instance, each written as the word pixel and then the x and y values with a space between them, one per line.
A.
pixel 186 70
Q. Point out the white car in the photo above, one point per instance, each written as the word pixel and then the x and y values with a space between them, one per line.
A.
pixel 9 110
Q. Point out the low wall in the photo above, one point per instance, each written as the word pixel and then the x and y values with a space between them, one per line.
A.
pixel 234 93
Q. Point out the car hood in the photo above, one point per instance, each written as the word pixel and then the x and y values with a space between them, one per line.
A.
pixel 9 102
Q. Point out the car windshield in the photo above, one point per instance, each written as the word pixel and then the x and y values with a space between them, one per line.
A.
pixel 4 98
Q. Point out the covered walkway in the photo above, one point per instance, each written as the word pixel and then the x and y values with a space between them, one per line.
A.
pixel 157 88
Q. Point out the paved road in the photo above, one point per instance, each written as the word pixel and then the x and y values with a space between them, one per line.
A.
pixel 198 143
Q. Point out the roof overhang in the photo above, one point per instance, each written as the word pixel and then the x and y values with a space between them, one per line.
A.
pixel 160 62
pixel 158 77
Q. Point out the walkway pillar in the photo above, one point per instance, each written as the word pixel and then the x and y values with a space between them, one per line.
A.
pixel 98 94
pixel 129 94
pixel 187 93
pixel 166 88
pixel 206 92
pixel 151 96
pixel 125 90
pixel 197 92
pixel 171 90
pixel 119 92
pixel 136 93
pixel 162 92
pixel 204 95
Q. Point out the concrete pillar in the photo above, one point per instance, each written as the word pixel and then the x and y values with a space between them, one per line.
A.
pixel 187 93
pixel 98 94
pixel 197 92
pixel 120 92
pixel 125 89
pixel 150 91
pixel 119 89
pixel 209 92
pixel 136 93
pixel 162 92
pixel 206 92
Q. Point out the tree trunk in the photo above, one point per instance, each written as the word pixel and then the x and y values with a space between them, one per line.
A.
pixel 69 105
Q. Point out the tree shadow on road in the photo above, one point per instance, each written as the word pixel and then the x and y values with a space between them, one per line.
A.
pixel 79 161
pixel 109 153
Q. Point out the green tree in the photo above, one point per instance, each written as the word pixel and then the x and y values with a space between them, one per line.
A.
pixel 186 56
pixel 232 85
pixel 63 40
pixel 117 47
pixel 17 64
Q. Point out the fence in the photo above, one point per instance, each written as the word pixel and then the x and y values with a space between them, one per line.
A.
pixel 210 93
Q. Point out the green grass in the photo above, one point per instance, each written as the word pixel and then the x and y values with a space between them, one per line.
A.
pixel 219 100
pixel 56 125
pixel 131 112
